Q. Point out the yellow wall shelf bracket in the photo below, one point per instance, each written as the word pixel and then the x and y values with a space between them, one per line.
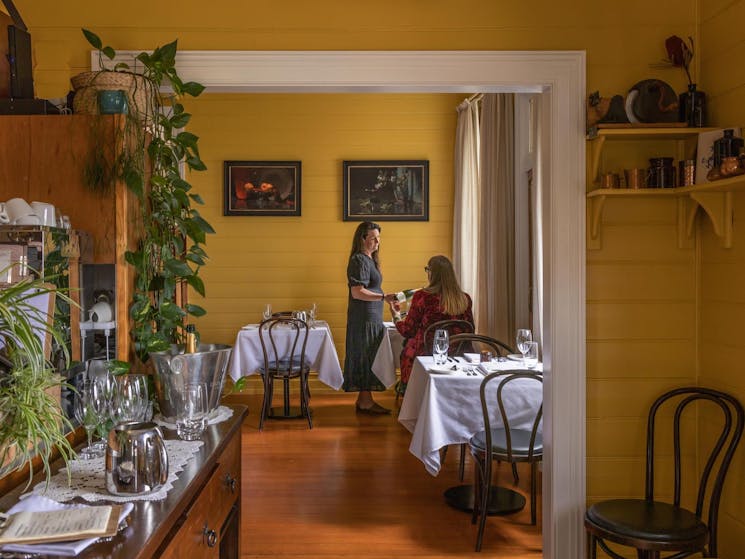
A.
pixel 718 206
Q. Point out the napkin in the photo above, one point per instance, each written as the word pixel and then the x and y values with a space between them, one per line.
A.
pixel 472 357
pixel 35 503
pixel 250 327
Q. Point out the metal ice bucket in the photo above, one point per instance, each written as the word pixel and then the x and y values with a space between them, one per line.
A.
pixel 174 369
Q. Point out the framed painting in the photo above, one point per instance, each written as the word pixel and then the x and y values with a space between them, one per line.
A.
pixel 262 188
pixel 396 190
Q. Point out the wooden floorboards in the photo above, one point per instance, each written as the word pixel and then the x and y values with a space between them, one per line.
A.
pixel 350 488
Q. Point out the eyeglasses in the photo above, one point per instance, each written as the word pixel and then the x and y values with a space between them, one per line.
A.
pixel 427 269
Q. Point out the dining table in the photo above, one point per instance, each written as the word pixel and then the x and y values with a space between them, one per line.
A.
pixel 320 352
pixel 388 357
pixel 442 406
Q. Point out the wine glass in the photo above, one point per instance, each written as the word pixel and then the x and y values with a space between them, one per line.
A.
pixel 99 373
pixel 89 404
pixel 440 346
pixel 524 336
pixel 267 314
pixel 129 400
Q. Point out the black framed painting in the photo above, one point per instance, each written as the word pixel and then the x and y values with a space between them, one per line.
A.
pixel 386 190
pixel 270 188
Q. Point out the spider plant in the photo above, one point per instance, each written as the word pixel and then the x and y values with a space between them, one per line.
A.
pixel 31 421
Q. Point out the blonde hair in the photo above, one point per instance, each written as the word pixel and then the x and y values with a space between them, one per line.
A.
pixel 453 300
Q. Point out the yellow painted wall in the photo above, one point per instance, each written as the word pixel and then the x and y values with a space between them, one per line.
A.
pixel 722 271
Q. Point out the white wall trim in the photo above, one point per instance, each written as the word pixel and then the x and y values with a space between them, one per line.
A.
pixel 560 76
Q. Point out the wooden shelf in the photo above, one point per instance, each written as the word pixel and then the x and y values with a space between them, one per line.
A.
pixel 715 198
pixel 686 138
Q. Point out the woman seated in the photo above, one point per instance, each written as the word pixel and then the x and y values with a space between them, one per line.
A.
pixel 442 299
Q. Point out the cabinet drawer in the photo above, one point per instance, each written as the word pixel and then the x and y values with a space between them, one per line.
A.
pixel 199 536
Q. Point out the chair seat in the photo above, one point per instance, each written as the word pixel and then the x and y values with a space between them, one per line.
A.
pixel 659 523
pixel 520 442
pixel 282 368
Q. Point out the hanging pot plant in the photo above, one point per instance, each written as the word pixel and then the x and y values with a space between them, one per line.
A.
pixel 150 149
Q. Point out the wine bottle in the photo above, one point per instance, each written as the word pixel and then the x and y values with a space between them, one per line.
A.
pixel 406 294
pixel 191 339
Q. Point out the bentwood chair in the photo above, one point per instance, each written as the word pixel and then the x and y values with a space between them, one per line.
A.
pixel 506 443
pixel 453 327
pixel 651 526
pixel 280 363
pixel 468 342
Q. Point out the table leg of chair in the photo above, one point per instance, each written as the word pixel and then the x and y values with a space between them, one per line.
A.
pixel 533 483
pixel 286 382
pixel 462 464
pixel 515 475
pixel 591 550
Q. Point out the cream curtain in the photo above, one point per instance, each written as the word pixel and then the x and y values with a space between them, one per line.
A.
pixel 466 197
pixel 495 314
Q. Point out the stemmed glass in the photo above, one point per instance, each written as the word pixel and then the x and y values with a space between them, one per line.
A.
pixel 131 397
pixel 523 337
pixel 440 346
pixel 90 405
pixel 267 314
pixel 99 374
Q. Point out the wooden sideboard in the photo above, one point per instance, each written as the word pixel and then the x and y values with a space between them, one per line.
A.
pixel 200 517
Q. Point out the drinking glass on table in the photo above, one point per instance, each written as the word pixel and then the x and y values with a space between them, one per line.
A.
pixel 523 337
pixel 312 314
pixel 531 355
pixel 267 314
pixel 130 401
pixel 191 411
pixel 440 346
pixel 89 405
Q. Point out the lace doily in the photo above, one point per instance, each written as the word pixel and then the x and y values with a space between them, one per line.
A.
pixel 222 413
pixel 88 477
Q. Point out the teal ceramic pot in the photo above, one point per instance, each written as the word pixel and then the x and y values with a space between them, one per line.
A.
pixel 111 102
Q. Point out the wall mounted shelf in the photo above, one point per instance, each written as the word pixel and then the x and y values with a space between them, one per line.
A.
pixel 686 140
pixel 715 198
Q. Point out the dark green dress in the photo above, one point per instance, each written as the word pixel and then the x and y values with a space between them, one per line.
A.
pixel 365 328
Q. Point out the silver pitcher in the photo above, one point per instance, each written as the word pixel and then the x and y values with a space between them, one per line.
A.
pixel 136 459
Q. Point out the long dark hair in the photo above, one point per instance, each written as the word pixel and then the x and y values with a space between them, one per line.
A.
pixel 358 241
pixel 453 300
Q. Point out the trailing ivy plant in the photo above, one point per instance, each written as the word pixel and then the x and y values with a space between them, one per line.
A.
pixel 151 153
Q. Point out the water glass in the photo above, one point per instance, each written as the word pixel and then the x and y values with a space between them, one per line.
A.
pixel 440 347
pixel 523 337
pixel 191 411
pixel 531 355
pixel 267 314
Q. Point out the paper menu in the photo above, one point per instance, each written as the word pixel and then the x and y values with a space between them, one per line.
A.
pixel 60 525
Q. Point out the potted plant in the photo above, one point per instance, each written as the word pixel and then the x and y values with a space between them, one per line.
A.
pixel 150 150
pixel 31 420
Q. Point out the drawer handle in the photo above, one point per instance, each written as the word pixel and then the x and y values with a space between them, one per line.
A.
pixel 211 536
pixel 231 482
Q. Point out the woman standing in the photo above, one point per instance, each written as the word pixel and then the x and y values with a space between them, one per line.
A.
pixel 365 328
pixel 442 299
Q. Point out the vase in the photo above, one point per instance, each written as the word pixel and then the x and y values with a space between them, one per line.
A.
pixel 692 107
pixel 111 102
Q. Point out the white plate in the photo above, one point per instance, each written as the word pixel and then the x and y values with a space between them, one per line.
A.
pixel 515 357
pixel 441 369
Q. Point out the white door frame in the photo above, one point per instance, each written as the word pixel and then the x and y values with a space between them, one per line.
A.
pixel 560 78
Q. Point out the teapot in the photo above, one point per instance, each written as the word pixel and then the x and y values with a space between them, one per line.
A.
pixel 136 459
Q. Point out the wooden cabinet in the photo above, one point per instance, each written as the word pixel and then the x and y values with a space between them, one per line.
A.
pixel 45 159
pixel 200 516
pixel 715 198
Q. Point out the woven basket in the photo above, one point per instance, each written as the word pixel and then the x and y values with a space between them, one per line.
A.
pixel 88 84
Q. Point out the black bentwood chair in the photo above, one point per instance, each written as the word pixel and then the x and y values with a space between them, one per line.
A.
pixel 651 526
pixel 468 342
pixel 506 443
pixel 280 365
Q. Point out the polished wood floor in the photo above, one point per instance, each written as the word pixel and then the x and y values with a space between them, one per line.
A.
pixel 350 488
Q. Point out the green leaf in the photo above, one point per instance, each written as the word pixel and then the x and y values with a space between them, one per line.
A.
pixel 203 225
pixel 196 259
pixel 168 53
pixel 196 198
pixel 180 120
pixel 193 88
pixel 93 39
pixel 157 344
pixel 178 267
pixel 197 283
pixel 196 164
pixel 121 66
pixel 118 367
pixel 109 52
pixel 187 139
pixel 195 310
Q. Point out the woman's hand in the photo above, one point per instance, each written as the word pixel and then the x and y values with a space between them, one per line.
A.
pixel 390 297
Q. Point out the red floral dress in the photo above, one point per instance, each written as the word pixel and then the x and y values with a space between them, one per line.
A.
pixel 423 311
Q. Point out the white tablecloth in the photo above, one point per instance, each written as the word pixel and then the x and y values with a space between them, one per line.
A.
pixel 445 409
pixel 388 357
pixel 320 353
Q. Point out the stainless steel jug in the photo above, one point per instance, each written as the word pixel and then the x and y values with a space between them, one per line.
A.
pixel 136 459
